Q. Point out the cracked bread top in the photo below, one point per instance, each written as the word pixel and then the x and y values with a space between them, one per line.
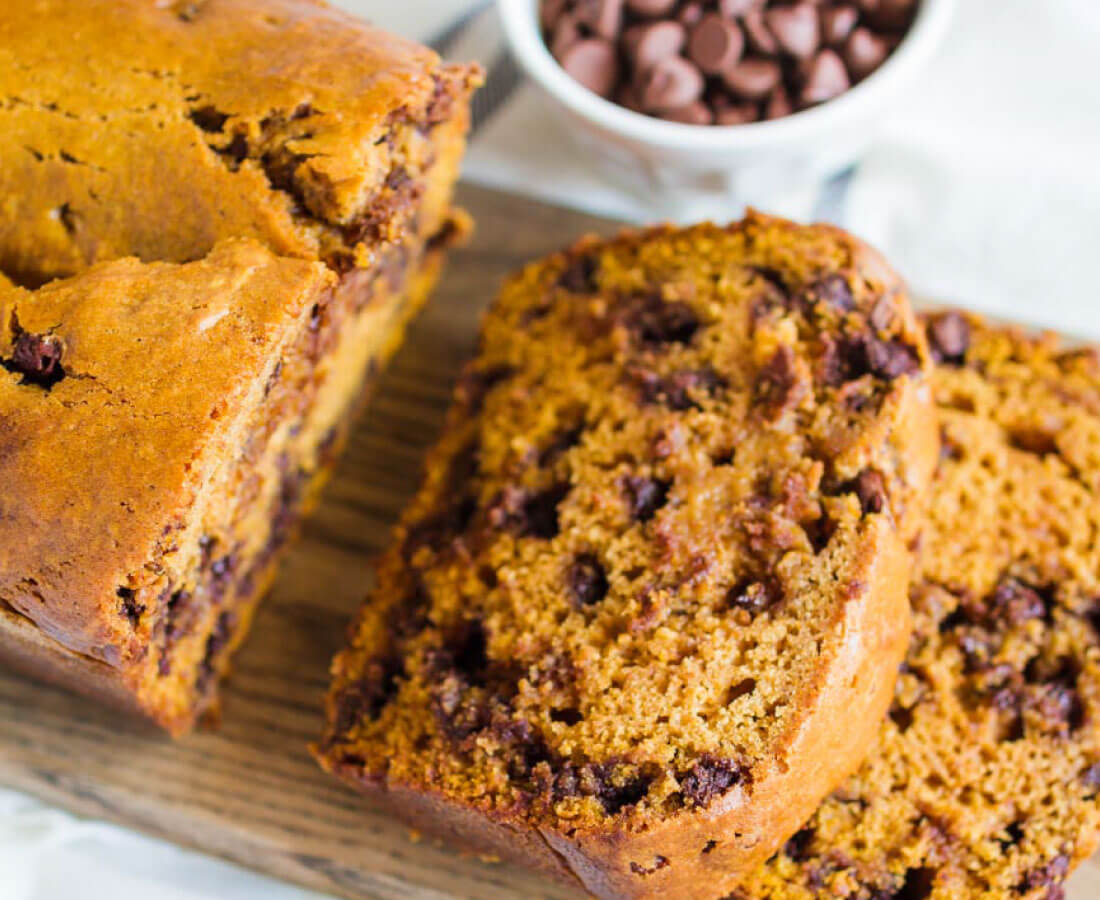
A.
pixel 656 557
pixel 986 776
pixel 122 390
pixel 154 129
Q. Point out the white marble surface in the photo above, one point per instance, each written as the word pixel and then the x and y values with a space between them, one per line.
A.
pixel 984 189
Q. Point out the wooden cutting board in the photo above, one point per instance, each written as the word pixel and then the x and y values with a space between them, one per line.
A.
pixel 249 791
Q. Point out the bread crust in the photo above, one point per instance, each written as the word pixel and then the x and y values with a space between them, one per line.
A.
pixel 287 121
pixel 107 532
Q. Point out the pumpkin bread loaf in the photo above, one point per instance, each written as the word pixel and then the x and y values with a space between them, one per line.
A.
pixel 162 429
pixel 155 129
pixel 986 778
pixel 647 609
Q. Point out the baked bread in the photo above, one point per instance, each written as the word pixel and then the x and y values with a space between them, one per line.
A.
pixel 655 560
pixel 162 428
pixel 986 776
pixel 154 129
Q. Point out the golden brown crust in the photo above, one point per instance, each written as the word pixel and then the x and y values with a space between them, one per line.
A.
pixel 159 361
pixel 658 553
pixel 73 630
pixel 169 126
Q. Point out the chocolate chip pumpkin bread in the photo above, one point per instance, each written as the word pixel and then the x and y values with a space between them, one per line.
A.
pixel 162 428
pixel 986 778
pixel 155 129
pixel 648 606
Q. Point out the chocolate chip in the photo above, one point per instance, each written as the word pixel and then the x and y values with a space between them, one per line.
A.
pixel 917 884
pixel 644 496
pixel 587 580
pixel 541 511
pixel 753 79
pixel 655 56
pixel 778 386
pixel 215 645
pixel 650 7
pixel 566 33
pixel 864 51
pixel 617 793
pixel 131 609
pixel 1049 876
pixel 902 717
pixel 795 28
pixel 528 514
pixel 649 43
pixel 656 322
pixel 778 105
pixel 604 17
pixel 37 357
pixel 550 11
pixel 832 291
pixel 696 113
pixel 708 778
pixel 731 9
pixel 837 23
pixel 949 337
pixel 690 14
pixel 891 359
pixel 824 78
pixel 819 532
pixel 754 596
pixel 883 313
pixel 798 846
pixel 728 113
pixel 678 390
pixel 870 487
pixel 1016 603
pixel 236 150
pixel 593 63
pixel 890 15
pixel 367 697
pixel 579 276
pixel 716 44
pixel 759 36
pixel 208 118
pixel 670 83
pixel 468 647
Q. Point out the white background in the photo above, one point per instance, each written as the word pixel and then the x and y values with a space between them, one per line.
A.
pixel 984 189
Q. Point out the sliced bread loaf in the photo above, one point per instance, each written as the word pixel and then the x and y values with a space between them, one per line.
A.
pixel 648 606
pixel 986 779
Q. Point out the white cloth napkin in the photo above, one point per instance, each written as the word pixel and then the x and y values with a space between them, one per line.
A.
pixel 984 190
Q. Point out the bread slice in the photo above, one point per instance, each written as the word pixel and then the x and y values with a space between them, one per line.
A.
pixel 986 778
pixel 647 607
pixel 162 429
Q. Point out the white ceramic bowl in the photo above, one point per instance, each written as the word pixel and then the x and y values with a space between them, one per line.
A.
pixel 678 167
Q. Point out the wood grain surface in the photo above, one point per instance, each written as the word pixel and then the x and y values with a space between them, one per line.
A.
pixel 249 791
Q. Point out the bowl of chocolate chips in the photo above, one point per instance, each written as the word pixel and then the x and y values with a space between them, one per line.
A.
pixel 723 99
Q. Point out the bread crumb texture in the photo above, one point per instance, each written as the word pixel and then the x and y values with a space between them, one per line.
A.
pixel 661 489
pixel 985 778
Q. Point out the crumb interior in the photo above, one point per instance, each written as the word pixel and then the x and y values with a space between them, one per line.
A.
pixel 218 558
pixel 611 596
pixel 987 772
